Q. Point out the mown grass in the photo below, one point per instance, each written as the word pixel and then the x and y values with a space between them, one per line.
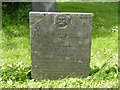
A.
pixel 15 66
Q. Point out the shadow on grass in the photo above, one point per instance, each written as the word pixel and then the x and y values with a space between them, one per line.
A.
pixel 94 70
pixel 105 72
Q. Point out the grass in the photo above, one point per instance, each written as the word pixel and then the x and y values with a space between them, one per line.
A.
pixel 15 66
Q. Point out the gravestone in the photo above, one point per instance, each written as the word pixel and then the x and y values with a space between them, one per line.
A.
pixel 44 6
pixel 60 44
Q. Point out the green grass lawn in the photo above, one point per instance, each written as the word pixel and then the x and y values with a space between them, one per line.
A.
pixel 15 65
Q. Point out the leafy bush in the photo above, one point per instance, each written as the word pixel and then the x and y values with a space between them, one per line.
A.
pixel 17 10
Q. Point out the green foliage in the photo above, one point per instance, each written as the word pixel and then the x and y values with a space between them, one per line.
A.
pixel 15 65
pixel 15 72
pixel 17 10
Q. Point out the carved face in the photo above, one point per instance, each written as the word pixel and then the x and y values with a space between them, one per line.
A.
pixel 62 21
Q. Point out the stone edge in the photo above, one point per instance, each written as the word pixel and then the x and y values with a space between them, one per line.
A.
pixel 37 13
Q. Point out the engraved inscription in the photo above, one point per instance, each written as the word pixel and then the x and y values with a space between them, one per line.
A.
pixel 62 21
pixel 35 33
pixel 60 45
pixel 86 22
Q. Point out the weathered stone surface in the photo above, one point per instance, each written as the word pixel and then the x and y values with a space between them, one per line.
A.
pixel 60 44
pixel 44 6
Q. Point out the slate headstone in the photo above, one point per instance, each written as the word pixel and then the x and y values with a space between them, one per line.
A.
pixel 60 44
